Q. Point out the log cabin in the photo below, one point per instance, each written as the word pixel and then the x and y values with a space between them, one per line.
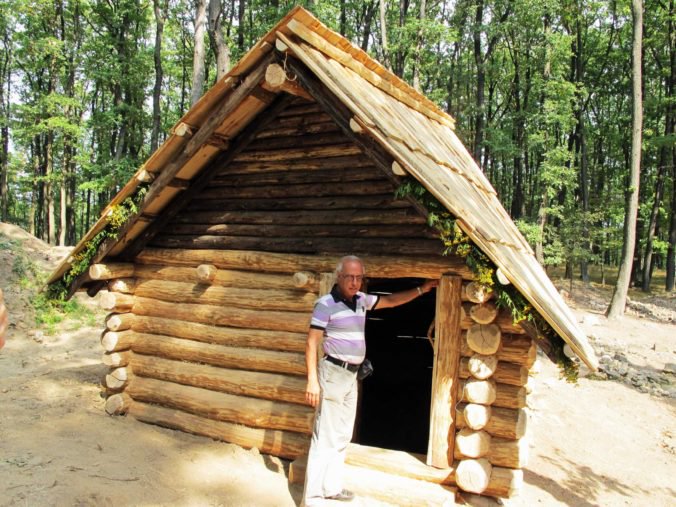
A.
pixel 289 162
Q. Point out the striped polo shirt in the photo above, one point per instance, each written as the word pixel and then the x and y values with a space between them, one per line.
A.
pixel 343 323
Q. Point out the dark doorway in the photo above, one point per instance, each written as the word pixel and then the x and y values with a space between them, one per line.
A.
pixel 395 401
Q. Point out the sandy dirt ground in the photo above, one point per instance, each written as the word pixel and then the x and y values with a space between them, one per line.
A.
pixel 601 441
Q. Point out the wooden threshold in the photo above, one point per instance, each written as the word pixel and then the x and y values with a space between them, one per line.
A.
pixel 395 477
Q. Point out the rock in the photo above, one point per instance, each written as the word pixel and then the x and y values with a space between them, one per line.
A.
pixel 38 336
pixel 591 320
pixel 619 356
pixel 605 358
pixel 568 352
pixel 670 368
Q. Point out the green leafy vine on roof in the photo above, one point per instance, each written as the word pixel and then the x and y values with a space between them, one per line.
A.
pixel 456 242
pixel 119 215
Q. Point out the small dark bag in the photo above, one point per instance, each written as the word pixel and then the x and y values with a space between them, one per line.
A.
pixel 365 369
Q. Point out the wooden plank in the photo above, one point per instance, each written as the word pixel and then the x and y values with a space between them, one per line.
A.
pixel 362 246
pixel 267 386
pixel 353 216
pixel 299 190
pixel 190 293
pixel 386 266
pixel 221 335
pixel 365 204
pixel 447 348
pixel 339 150
pixel 223 407
pixel 504 482
pixel 295 322
pixel 300 130
pixel 350 174
pixel 241 358
pixel 307 231
pixel 355 161
pixel 286 444
pixel 224 277
pixel 299 121
pixel 303 139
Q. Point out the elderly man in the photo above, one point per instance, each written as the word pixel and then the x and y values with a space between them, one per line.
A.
pixel 340 318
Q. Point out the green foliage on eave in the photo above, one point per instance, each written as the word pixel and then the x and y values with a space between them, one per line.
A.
pixel 119 215
pixel 456 242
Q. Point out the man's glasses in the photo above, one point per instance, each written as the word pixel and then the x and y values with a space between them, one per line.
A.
pixel 353 278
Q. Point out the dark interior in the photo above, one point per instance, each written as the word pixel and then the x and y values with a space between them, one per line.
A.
pixel 395 401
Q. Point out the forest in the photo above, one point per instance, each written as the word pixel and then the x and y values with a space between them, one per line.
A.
pixel 541 91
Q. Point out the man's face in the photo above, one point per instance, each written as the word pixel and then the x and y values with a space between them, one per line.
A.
pixel 349 280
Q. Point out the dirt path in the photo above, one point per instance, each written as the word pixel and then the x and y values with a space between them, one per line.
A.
pixel 597 442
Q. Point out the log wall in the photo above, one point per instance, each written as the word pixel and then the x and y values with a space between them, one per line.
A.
pixel 211 351
pixel 495 359
pixel 208 325
pixel 301 187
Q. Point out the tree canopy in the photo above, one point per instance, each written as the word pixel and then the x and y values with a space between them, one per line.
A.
pixel 541 91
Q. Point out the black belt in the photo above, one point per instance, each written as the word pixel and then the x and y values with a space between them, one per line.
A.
pixel 343 364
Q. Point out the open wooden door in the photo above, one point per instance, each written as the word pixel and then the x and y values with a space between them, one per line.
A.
pixel 445 374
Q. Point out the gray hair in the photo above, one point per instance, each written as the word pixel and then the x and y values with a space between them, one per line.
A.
pixel 348 258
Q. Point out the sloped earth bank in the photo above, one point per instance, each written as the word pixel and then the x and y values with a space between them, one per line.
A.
pixel 598 442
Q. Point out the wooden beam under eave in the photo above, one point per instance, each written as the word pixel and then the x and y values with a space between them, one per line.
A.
pixel 219 141
pixel 200 137
pixel 179 183
pixel 264 94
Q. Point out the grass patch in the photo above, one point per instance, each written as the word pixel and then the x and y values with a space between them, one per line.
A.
pixel 49 314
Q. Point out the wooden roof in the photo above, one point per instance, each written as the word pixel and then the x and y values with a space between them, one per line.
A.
pixel 409 127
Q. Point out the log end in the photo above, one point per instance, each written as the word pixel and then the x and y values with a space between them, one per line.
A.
pixel 206 273
pixel 118 404
pixel 473 475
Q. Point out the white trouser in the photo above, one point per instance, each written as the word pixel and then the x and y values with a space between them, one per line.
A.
pixel 334 423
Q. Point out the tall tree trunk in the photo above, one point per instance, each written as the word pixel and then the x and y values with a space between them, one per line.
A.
pixel 217 40
pixel 369 10
pixel 198 66
pixel 544 192
pixel 671 157
pixel 618 302
pixel 35 213
pixel 240 28
pixel 49 189
pixel 516 209
pixel 671 250
pixel 584 197
pixel 383 34
pixel 160 9
pixel 652 224
pixel 417 58
pixel 480 81
pixel 5 84
pixel 342 25
pixel 399 57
